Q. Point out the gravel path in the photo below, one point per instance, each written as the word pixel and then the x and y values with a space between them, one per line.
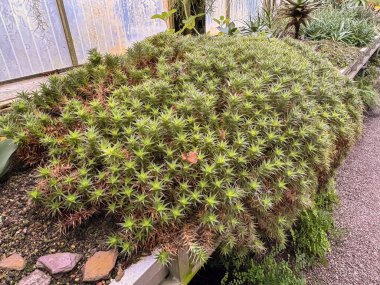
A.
pixel 355 258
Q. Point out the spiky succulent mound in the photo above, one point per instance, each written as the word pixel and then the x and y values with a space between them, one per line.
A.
pixel 185 140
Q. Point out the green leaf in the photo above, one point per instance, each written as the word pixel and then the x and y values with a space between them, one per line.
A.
pixel 217 21
pixel 189 23
pixel 157 16
pixel 172 11
pixel 164 15
pixel 7 148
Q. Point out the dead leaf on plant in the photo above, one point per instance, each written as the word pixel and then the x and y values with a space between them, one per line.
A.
pixel 119 274
pixel 191 157
pixel 222 134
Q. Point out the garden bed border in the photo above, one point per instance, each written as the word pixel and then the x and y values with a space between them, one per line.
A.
pixel 149 271
pixel 365 54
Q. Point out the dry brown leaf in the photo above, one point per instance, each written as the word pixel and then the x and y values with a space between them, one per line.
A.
pixel 191 157
pixel 119 274
pixel 222 134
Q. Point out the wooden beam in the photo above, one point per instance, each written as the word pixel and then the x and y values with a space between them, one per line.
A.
pixel 167 7
pixel 67 31
pixel 365 54
pixel 228 8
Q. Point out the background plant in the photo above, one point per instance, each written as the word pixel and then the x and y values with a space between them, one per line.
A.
pixel 310 238
pixel 267 271
pixel 369 85
pixel 7 149
pixel 358 3
pixel 265 20
pixel 186 139
pixel 188 23
pixel 190 15
pixel 165 16
pixel 226 26
pixel 352 26
pixel 254 25
pixel 298 12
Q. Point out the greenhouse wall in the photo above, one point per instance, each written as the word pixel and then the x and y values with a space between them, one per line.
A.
pixel 237 10
pixel 38 36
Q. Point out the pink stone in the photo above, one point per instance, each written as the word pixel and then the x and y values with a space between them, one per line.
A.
pixel 37 277
pixel 59 262
pixel 13 262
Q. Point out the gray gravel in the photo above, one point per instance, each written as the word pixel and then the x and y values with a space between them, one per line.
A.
pixel 355 258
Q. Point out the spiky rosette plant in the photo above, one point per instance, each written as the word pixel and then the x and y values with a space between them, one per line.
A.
pixel 187 140
pixel 298 12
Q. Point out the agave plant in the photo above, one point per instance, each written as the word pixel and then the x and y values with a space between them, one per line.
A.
pixel 359 3
pixel 254 25
pixel 299 13
pixel 7 149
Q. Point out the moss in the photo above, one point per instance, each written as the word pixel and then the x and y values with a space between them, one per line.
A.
pixel 309 244
pixel 186 139
pixel 339 54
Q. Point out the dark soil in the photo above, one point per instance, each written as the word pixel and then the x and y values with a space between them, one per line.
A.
pixel 26 229
pixel 211 273
pixel 208 276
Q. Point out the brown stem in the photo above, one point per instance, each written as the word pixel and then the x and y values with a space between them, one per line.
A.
pixel 297 26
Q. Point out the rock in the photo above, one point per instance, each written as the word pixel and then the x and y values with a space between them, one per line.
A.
pixel 99 265
pixel 59 262
pixel 13 262
pixel 37 277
